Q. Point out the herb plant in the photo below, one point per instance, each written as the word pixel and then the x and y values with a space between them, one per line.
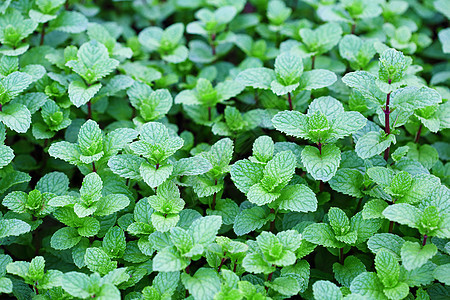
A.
pixel 218 149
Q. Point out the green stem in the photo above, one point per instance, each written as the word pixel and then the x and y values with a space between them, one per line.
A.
pixel 341 255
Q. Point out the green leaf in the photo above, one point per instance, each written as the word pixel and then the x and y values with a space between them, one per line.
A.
pixel 6 155
pixel 373 143
pixel 411 98
pixel 255 263
pixel 321 39
pixel 365 83
pixel 80 93
pixel 65 238
pixel 98 261
pixel 258 195
pixel 326 290
pixel 126 165
pixel 90 140
pixel 348 181
pixel 444 34
pixel 204 230
pixel 250 219
pixel 393 65
pixel 321 164
pixel 16 117
pixel 291 123
pixel 288 68
pixel 374 209
pixel 13 227
pixel 258 78
pixel 169 260
pixel 414 256
pixel 287 286
pixel 351 268
pixel 367 284
pixel 155 177
pixel 191 166
pixel 12 85
pixel 114 242
pixel 441 273
pixel 111 203
pixel 403 213
pixel 245 174
pixel 388 269
pixel 317 79
pixel 263 148
pixel 298 197
pixel 76 284
pixel 203 285
pixel 321 234
pixel 93 62
pixel 70 22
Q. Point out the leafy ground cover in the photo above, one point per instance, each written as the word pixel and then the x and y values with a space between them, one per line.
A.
pixel 224 149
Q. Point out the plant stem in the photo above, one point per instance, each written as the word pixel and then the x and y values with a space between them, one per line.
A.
pixel 213 205
pixel 209 113
pixel 93 167
pixel 89 105
pixel 221 262
pixel 313 62
pixel 359 204
pixel 419 131
pixel 353 28
pixel 424 240
pixel 387 127
pixel 319 145
pixel 269 278
pixel 391 226
pixel 290 101
pixel 272 223
pixel 235 266
pixel 341 255
pixel 213 44
pixel 42 34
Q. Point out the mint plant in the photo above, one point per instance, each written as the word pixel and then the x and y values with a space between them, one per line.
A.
pixel 207 149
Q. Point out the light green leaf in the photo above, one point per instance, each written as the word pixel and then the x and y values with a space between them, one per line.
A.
pixel 326 290
pixel 203 285
pixel 411 98
pixel 204 230
pixel 348 181
pixel 13 227
pixel 16 117
pixel 414 256
pixel 250 219
pixel 442 273
pixel 321 234
pixel 80 93
pixel 298 197
pixel 291 123
pixel 317 79
pixel 322 165
pixel 373 143
pixel 65 238
pixel 367 284
pixel 403 213
pixel 258 78
pixel 154 177
pixel 98 261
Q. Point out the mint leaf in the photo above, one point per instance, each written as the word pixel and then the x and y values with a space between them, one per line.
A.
pixel 414 256
pixel 321 164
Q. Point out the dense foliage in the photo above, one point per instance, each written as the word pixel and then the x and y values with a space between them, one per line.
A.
pixel 224 149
